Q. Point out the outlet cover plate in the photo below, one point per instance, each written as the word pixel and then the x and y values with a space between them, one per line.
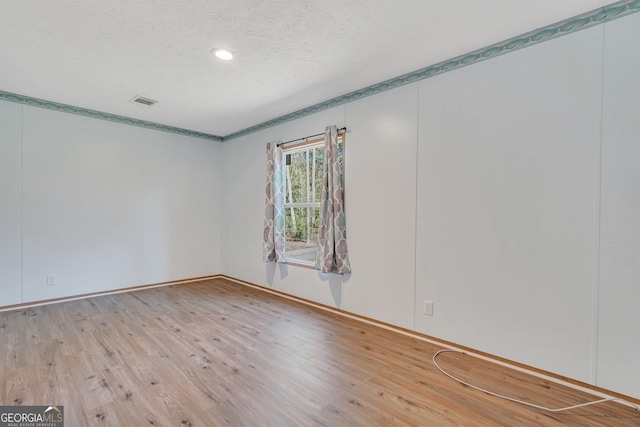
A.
pixel 428 308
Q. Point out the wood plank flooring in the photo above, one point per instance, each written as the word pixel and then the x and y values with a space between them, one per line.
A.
pixel 215 353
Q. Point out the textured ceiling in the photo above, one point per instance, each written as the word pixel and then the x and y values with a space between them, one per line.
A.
pixel 290 54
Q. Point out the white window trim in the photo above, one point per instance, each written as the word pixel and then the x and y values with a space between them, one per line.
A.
pixel 289 150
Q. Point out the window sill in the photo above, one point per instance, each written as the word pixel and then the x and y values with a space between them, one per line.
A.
pixel 302 264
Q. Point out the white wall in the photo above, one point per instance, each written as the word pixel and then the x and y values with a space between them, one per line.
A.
pixel 82 211
pixel 507 203
pixel 619 291
pixel 10 204
pixel 480 190
pixel 104 206
pixel 380 200
pixel 181 208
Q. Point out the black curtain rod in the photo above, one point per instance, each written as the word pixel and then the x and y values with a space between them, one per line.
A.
pixel 344 129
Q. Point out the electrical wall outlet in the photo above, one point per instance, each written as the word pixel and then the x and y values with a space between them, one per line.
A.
pixel 428 308
pixel 51 279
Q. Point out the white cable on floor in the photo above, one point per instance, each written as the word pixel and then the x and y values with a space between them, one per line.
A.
pixel 608 399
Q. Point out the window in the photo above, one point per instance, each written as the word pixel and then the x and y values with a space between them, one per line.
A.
pixel 303 187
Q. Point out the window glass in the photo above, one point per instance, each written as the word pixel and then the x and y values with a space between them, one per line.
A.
pixel 303 188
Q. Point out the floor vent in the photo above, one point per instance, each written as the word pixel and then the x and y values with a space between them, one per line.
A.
pixel 143 100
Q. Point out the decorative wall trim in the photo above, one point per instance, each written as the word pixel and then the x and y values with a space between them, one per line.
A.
pixel 562 28
pixel 34 102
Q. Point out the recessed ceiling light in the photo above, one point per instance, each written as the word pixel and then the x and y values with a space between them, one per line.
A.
pixel 224 54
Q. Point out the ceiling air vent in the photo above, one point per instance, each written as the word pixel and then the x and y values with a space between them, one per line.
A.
pixel 143 100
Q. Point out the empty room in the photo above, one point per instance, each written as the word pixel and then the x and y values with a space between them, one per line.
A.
pixel 319 213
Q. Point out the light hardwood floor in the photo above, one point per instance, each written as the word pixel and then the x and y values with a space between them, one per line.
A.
pixel 215 353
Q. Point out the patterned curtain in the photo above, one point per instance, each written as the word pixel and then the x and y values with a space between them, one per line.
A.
pixel 332 255
pixel 273 238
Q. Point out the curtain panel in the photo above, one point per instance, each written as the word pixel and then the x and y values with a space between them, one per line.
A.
pixel 332 255
pixel 274 235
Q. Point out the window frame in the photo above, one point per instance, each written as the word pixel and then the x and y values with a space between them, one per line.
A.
pixel 290 205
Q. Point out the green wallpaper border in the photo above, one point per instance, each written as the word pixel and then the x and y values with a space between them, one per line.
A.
pixel 587 20
pixel 34 102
